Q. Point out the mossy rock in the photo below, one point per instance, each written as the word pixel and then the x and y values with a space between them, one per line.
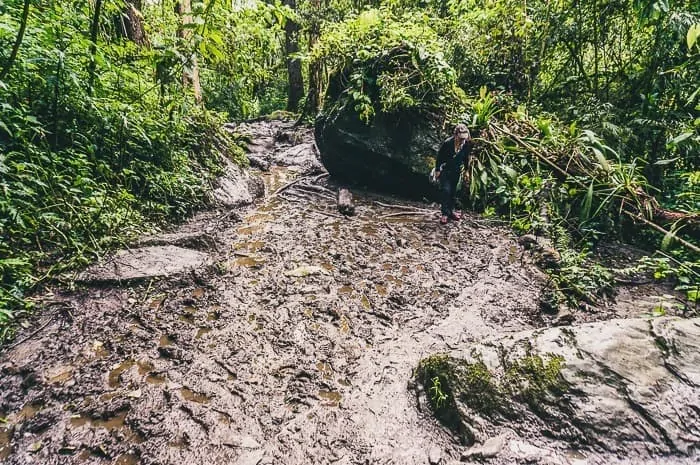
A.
pixel 459 390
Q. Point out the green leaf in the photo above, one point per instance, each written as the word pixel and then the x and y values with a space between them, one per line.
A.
pixel 4 126
pixel 680 138
pixel 667 161
pixel 692 36
pixel 587 202
pixel 693 295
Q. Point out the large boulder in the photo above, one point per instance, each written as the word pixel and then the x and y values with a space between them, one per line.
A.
pixel 385 110
pixel 391 154
pixel 626 388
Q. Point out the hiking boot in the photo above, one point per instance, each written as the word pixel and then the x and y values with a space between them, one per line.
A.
pixel 443 219
pixel 455 216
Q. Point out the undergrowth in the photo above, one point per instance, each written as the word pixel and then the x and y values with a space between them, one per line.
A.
pixel 63 205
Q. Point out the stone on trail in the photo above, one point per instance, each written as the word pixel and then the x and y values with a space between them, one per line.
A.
pixel 306 270
pixel 237 187
pixel 143 263
pixel 345 204
pixel 198 240
pixel 435 456
pixel 491 448
pixel 629 387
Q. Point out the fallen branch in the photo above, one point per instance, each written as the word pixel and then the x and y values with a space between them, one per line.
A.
pixel 657 211
pixel 406 213
pixel 332 215
pixel 655 226
pixel 320 176
pixel 287 186
pixel 403 207
pixel 318 190
pixel 535 152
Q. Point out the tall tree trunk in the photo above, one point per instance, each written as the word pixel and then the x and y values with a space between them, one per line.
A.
pixel 94 29
pixel 190 71
pixel 291 46
pixel 129 23
pixel 18 40
pixel 313 96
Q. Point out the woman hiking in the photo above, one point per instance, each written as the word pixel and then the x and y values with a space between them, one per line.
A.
pixel 452 157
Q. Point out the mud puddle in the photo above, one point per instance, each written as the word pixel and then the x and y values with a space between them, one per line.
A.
pixel 295 347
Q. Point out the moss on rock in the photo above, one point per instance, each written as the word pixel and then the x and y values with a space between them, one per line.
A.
pixel 458 388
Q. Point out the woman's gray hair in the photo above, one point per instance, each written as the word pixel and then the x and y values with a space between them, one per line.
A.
pixel 462 128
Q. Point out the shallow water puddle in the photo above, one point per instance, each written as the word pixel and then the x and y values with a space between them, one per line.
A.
pixel 201 332
pixel 5 439
pixel 249 261
pixel 249 230
pixel 345 290
pixel 250 246
pixel 99 349
pixel 369 230
pixel 59 374
pixel 198 293
pixel 188 314
pixel 145 367
pixel 325 369
pixel 277 177
pixel 407 219
pixel 113 379
pixel 28 411
pixel 157 302
pixel 110 424
pixel 192 396
pixel 512 254
pixel 156 379
pixel 331 398
pixel 127 459
pixel 107 396
pixel 365 302
pixel 344 324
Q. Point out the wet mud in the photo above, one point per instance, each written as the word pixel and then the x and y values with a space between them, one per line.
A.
pixel 296 345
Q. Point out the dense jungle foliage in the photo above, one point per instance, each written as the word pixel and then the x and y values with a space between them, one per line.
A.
pixel 587 114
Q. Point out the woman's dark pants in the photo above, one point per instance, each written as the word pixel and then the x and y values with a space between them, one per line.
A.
pixel 448 190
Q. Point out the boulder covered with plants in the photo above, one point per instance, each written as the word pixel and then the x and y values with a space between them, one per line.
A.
pixel 384 114
pixel 610 386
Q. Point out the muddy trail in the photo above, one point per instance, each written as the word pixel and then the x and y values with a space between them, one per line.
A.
pixel 294 342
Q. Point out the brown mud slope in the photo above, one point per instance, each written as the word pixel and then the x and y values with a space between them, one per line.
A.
pixel 292 343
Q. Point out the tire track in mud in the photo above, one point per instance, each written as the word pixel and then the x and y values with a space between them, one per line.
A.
pixel 297 346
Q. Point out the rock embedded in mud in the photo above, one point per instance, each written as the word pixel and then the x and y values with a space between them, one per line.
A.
pixel 198 240
pixel 345 204
pixel 491 448
pixel 627 387
pixel 237 187
pixel 435 456
pixel 143 263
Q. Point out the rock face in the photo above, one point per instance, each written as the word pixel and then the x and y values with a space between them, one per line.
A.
pixel 390 155
pixel 625 387
pixel 237 187
pixel 143 263
pixel 278 142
